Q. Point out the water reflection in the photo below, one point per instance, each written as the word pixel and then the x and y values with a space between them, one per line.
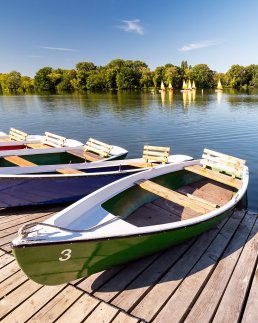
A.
pixel 187 122
pixel 219 97
pixel 188 98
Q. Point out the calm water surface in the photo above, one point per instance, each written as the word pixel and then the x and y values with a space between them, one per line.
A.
pixel 226 122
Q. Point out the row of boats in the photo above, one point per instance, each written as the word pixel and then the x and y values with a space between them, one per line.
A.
pixel 188 86
pixel 124 209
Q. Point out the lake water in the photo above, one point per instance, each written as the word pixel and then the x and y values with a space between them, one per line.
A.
pixel 226 122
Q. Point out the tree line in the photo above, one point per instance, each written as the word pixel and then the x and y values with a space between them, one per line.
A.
pixel 125 74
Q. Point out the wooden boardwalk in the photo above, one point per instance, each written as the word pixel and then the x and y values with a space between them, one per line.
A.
pixel 212 278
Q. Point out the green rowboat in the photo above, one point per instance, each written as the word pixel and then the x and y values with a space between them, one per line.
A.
pixel 132 217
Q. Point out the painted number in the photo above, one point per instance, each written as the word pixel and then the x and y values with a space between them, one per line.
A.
pixel 66 254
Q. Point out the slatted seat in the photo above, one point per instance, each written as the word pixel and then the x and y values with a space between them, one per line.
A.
pixel 220 167
pixel 196 204
pixel 152 156
pixel 94 150
pixel 49 140
pixel 15 134
pixel 19 161
pixel 98 148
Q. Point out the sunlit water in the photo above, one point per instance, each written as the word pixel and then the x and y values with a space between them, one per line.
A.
pixel 188 123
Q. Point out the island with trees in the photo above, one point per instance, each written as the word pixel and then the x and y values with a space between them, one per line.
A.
pixel 124 74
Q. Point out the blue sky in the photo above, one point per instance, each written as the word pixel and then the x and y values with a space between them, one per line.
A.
pixel 61 33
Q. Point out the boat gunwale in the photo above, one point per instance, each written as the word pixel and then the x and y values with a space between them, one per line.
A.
pixel 24 171
pixel 16 170
pixel 147 229
pixel 35 243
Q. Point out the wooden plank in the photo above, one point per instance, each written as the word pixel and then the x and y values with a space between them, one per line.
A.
pixel 151 214
pixel 205 252
pixel 157 148
pixel 195 198
pixel 115 285
pixel 8 270
pixel 19 161
pixel 11 301
pixel 100 143
pixel 18 135
pixel 209 190
pixel 7 239
pixel 231 303
pixel 11 283
pixel 179 303
pixel 79 310
pixel 174 196
pixel 157 154
pixel 227 157
pixel 33 304
pixel 56 306
pixel 5 260
pixel 104 313
pixel 17 221
pixel 233 171
pixel 14 227
pixel 76 152
pixel 124 318
pixel 230 181
pixel 96 281
pixel 98 147
pixel 84 155
pixel 183 213
pixel 69 171
pixel 53 140
pixel 139 287
pixel 251 313
pixel 91 156
pixel 5 139
pixel 203 311
pixel 38 146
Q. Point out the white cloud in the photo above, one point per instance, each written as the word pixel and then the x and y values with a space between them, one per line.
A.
pixel 59 48
pixel 132 26
pixel 203 44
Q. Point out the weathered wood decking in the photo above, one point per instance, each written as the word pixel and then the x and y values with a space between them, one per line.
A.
pixel 213 278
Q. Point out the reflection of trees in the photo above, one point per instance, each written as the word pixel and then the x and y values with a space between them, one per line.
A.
pixel 195 98
pixel 119 102
pixel 237 98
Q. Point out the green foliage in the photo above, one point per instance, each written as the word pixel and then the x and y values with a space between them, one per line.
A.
pixel 42 80
pixel 202 75
pixel 125 74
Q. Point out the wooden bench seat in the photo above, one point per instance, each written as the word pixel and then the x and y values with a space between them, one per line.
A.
pixel 15 134
pixel 91 156
pixel 37 146
pixel 49 140
pixel 197 204
pixel 94 150
pixel 19 161
pixel 18 135
pixel 69 171
pixel 220 167
pixel 153 156
pixel 86 155
pixel 98 148
pixel 216 176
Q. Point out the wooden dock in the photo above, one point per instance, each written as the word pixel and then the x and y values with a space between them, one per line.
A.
pixel 212 278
